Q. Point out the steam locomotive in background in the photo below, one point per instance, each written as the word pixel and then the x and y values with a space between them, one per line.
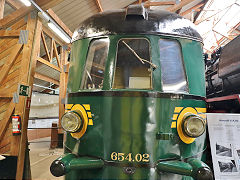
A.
pixel 136 99
pixel 222 77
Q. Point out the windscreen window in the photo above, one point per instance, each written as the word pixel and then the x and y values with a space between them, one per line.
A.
pixel 172 69
pixel 133 67
pixel 95 64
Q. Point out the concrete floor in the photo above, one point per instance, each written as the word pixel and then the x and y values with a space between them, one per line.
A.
pixel 41 158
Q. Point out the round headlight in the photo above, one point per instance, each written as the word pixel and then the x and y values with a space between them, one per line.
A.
pixel 71 121
pixel 193 125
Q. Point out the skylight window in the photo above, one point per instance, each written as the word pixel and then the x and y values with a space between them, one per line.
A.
pixel 217 21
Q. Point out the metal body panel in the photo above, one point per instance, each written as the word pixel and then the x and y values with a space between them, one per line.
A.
pixel 133 124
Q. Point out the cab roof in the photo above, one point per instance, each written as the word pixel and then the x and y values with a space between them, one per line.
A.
pixel 137 20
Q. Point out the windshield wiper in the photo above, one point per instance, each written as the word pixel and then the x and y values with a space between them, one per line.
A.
pixel 143 61
pixel 90 77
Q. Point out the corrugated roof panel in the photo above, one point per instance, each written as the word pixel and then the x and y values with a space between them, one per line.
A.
pixel 115 4
pixel 73 12
pixel 47 71
pixel 162 7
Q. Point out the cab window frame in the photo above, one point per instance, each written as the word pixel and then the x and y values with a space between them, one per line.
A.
pixel 115 64
pixel 85 64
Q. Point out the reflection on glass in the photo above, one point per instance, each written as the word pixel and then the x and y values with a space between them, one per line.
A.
pixel 95 64
pixel 172 70
pixel 133 66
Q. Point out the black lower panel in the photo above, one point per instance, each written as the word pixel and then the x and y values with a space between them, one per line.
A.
pixel 8 167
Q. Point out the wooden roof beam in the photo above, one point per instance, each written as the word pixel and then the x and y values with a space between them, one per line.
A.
pixel 195 8
pixel 46 78
pixel 199 12
pixel 99 5
pixel 21 12
pixel 47 63
pixel 179 6
pixel 16 4
pixel 2 3
pixel 9 33
pixel 163 3
pixel 59 22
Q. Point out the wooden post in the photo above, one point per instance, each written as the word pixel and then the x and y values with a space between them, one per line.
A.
pixel 2 3
pixel 27 68
pixel 63 85
pixel 54 136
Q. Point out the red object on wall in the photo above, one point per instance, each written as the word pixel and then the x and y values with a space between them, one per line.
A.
pixel 16 125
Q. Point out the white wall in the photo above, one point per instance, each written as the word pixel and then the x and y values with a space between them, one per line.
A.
pixel 44 105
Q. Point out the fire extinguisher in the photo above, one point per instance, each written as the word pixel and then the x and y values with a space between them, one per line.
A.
pixel 16 125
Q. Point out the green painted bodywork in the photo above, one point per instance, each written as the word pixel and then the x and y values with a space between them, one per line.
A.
pixel 137 125
pixel 72 162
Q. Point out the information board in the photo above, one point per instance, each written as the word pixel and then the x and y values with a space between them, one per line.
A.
pixel 224 134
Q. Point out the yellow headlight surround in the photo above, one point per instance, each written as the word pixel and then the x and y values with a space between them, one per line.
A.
pixel 193 125
pixel 75 122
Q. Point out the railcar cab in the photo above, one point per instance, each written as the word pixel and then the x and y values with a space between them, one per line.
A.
pixel 137 50
pixel 140 62
pixel 135 97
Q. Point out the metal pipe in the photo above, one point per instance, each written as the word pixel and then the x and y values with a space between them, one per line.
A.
pixel 69 162
pixel 45 87
pixel 193 167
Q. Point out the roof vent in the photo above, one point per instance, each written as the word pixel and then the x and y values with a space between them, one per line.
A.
pixel 136 12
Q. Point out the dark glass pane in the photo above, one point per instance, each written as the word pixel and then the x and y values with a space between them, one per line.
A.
pixel 95 64
pixel 173 75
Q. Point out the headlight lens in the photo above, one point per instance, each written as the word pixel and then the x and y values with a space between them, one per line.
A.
pixel 71 121
pixel 193 125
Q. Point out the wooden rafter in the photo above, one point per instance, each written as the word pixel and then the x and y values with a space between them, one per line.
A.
pixel 9 33
pixel 59 22
pixel 56 53
pixel 43 61
pixel 46 78
pixel 2 3
pixel 45 46
pixel 198 13
pixel 179 6
pixel 99 6
pixel 16 50
pixel 51 50
pixel 148 4
pixel 192 8
pixel 21 12
pixel 51 34
pixel 16 4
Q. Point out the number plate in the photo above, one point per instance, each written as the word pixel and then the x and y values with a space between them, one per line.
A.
pixel 130 157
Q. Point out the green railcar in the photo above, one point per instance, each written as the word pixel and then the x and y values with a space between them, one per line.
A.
pixel 135 107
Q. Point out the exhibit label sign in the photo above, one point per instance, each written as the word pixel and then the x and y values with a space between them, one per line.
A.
pixel 224 134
